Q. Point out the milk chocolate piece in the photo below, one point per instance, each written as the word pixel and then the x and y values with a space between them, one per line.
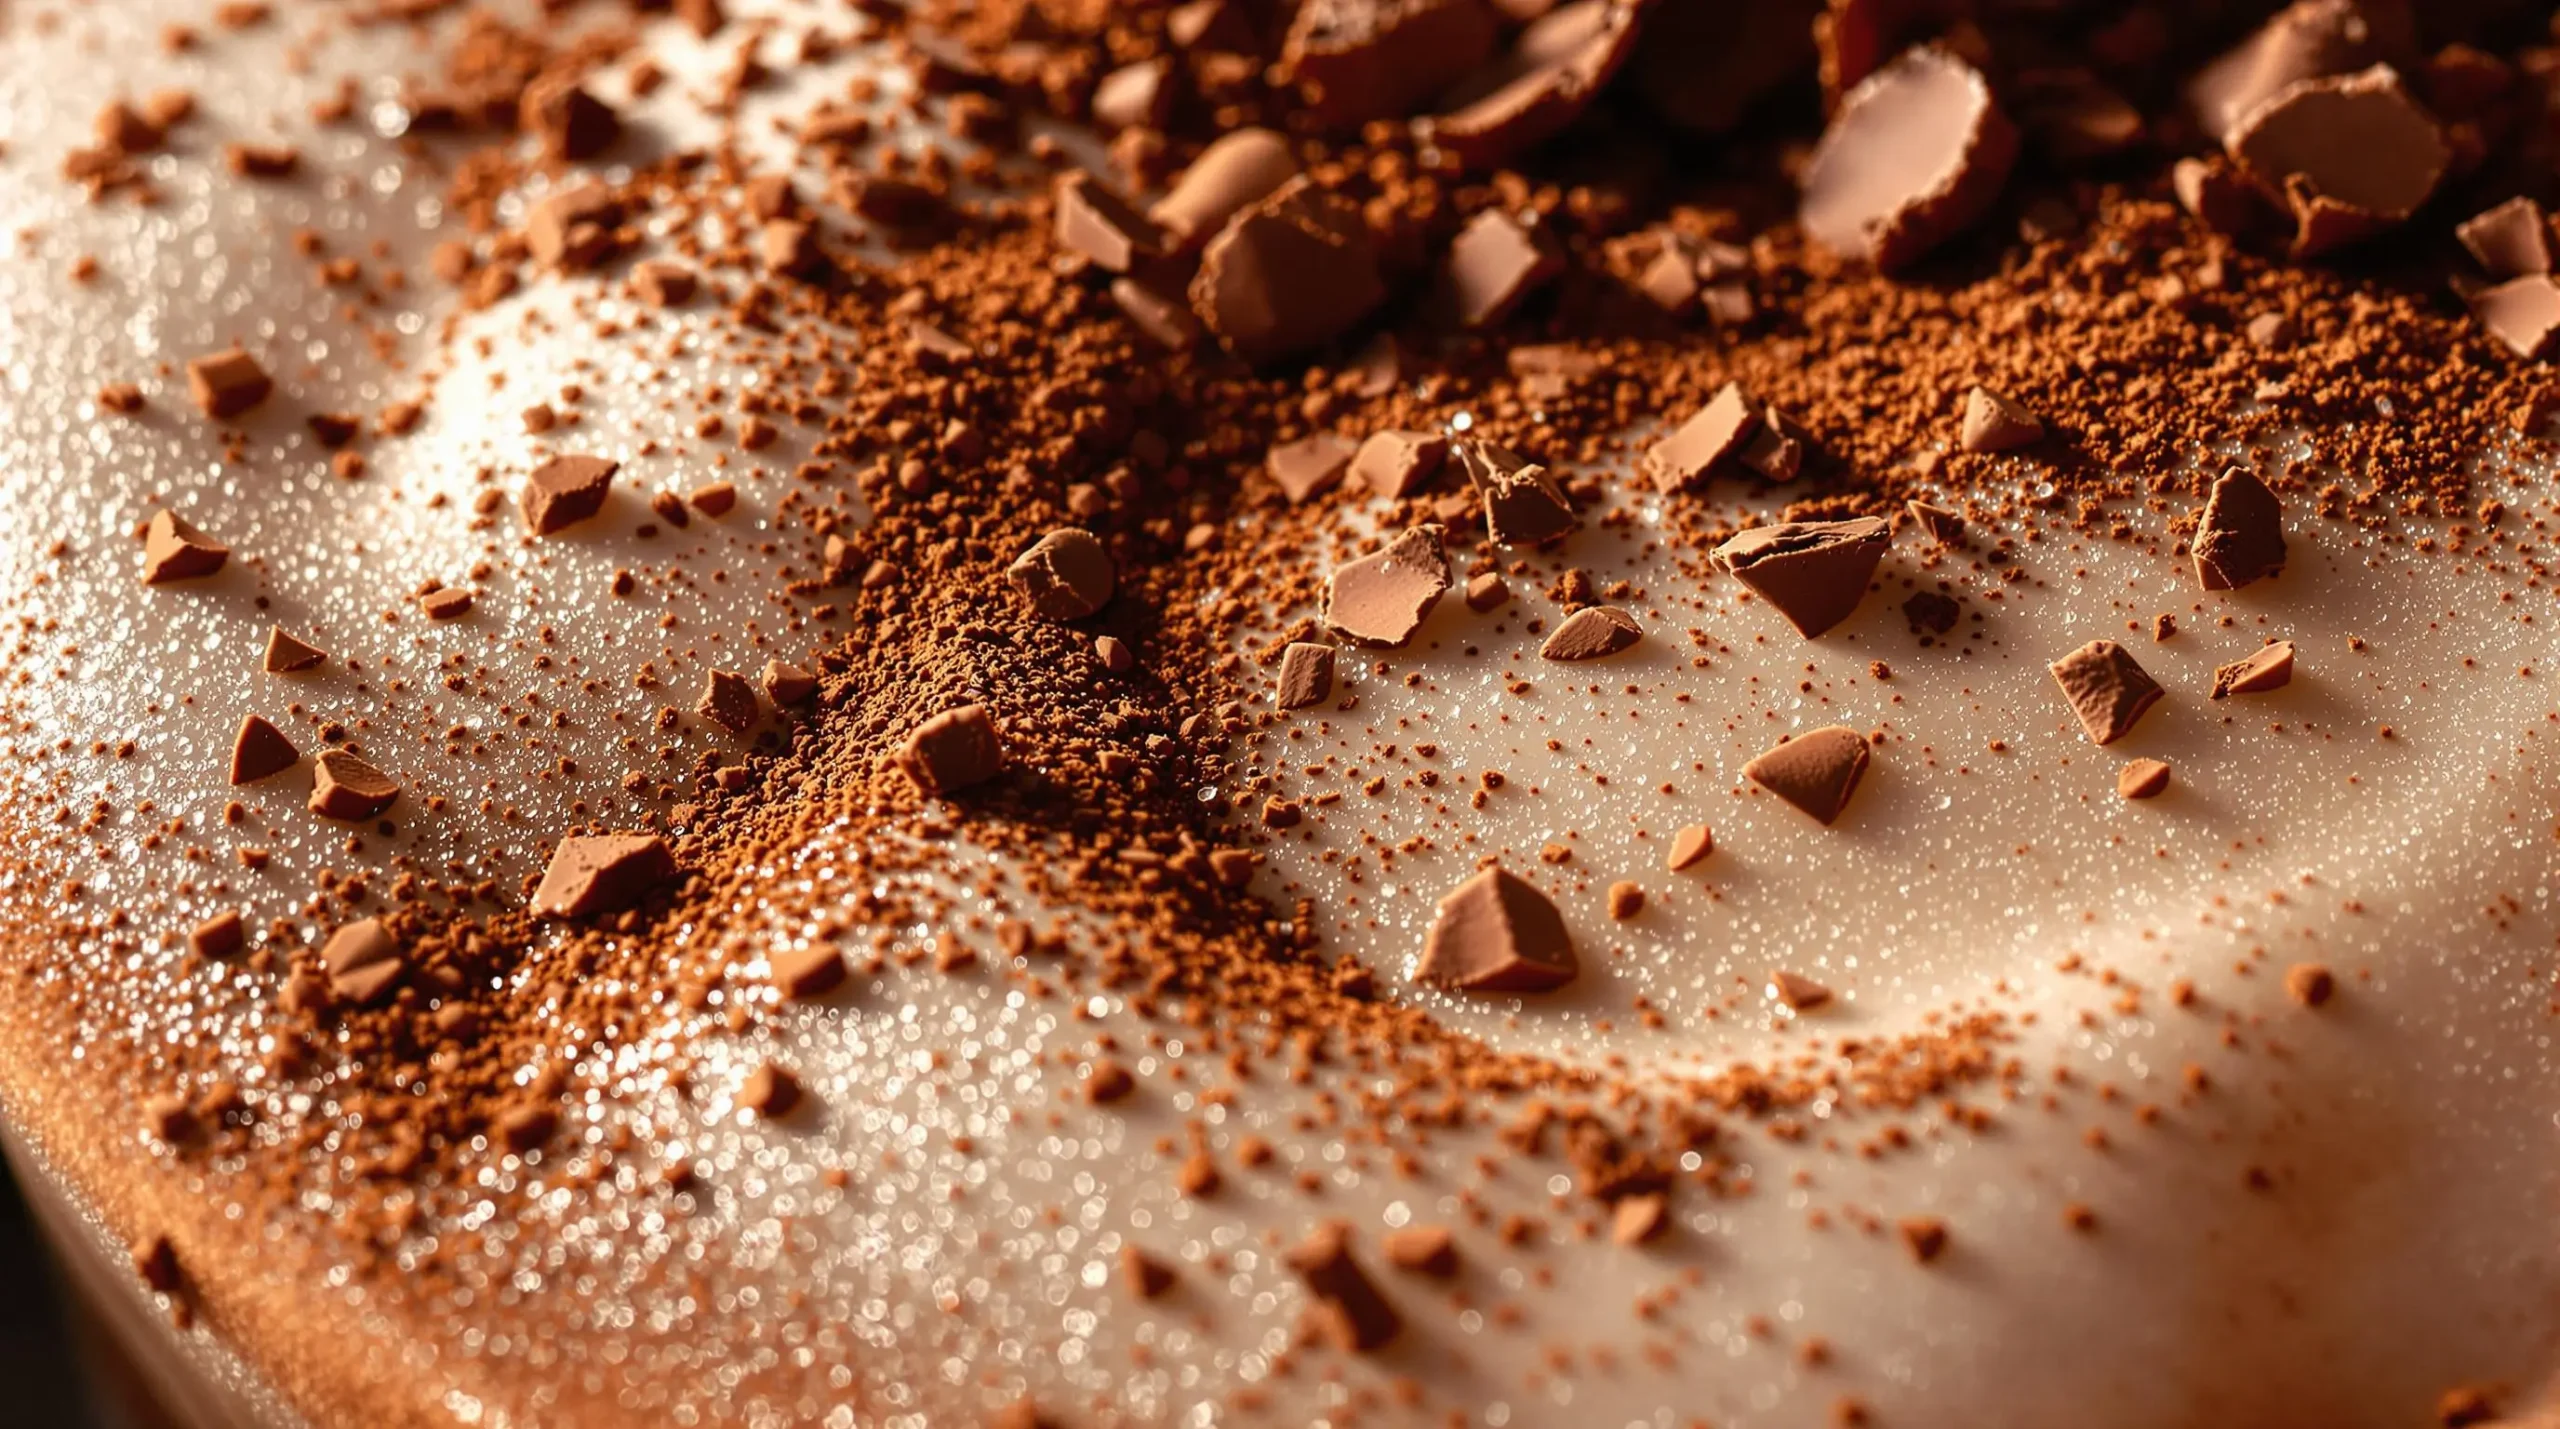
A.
pixel 1240 169
pixel 714 499
pixel 1423 1250
pixel 2269 668
pixel 786 684
pixel 1816 771
pixel 573 229
pixel 1160 317
pixel 1913 156
pixel 1777 449
pixel 2511 240
pixel 2310 984
pixel 1309 465
pixel 362 961
pixel 1099 226
pixel 173 550
pixel 1592 633
pixel 2106 688
pixel 285 654
pixel 1714 433
pixel 1556 66
pixel 1690 847
pixel 2348 155
pixel 602 873
pixel 1925 1237
pixel 1495 262
pixel 2522 313
pixel 1487 591
pixel 953 750
pixel 1135 96
pixel 1523 506
pixel 1354 61
pixel 1944 526
pixel 1306 674
pixel 2240 536
pixel 1397 464
pixel 445 603
pixel 802 974
pixel 793 248
pixel 570 123
pixel 1292 272
pixel 1065 575
pixel 2310 39
pixel 219 936
pixel 1351 1312
pixel 770 1091
pixel 1993 423
pixel 1638 1218
pixel 664 283
pixel 565 491
pixel 1799 993
pixel 728 699
pixel 2220 196
pixel 227 383
pixel 2142 779
pixel 347 788
pixel 1218 26
pixel 259 750
pixel 1814 572
pixel 1146 1276
pixel 1497 933
pixel 1382 598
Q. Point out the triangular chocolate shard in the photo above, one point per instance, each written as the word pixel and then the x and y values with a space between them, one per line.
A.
pixel 1816 772
pixel 285 654
pixel 2270 668
pixel 2240 537
pixel 259 750
pixel 1814 572
pixel 1993 423
pixel 1497 933
pixel 1523 506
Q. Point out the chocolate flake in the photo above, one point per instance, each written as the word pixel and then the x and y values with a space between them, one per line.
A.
pixel 2269 668
pixel 2240 536
pixel 1523 506
pixel 362 961
pixel 728 699
pixel 2106 688
pixel 1816 771
pixel 1382 598
pixel 1591 633
pixel 1310 465
pixel 285 654
pixel 1714 433
pixel 228 383
pixel 347 788
pixel 1065 575
pixel 173 550
pixel 1814 572
pixel 1352 1313
pixel 260 750
pixel 565 491
pixel 1306 675
pixel 1914 155
pixel 1690 847
pixel 2142 779
pixel 603 873
pixel 1497 933
pixel 953 750
pixel 1993 423
pixel 1396 464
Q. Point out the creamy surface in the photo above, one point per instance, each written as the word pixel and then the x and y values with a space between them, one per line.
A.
pixel 2406 1127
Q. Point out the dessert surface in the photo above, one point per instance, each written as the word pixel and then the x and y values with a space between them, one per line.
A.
pixel 1459 711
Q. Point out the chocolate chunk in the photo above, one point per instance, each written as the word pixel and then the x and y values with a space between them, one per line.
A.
pixel 770 1091
pixel 2271 668
pixel 565 491
pixel 2309 39
pixel 172 550
pixel 259 750
pixel 1135 96
pixel 1814 572
pixel 1800 994
pixel 1555 67
pixel 1397 464
pixel 227 383
pixel 1487 591
pixel 2310 984
pixel 1638 1218
pixel 1497 933
pixel 1355 61
pixel 1309 465
pixel 2107 690
pixel 953 750
pixel 786 684
pixel 1714 433
pixel 362 961
pixel 1626 899
pixel 793 248
pixel 2240 536
pixel 1523 506
pixel 662 283
pixel 1944 526
pixel 521 1129
pixel 1239 170
pixel 1382 598
pixel 1816 771
pixel 714 499
pixel 1914 155
pixel 1292 272
pixel 2220 196
pixel 2511 240
pixel 445 603
pixel 2522 313
pixel 346 787
pixel 603 873
pixel 2142 779
pixel 2348 155
pixel 1495 263
pixel 1306 674
pixel 1160 317
pixel 1592 633
pixel 1777 449
pixel 1422 1250
pixel 1993 423
pixel 728 699
pixel 570 123
pixel 1351 1312
pixel 806 973
pixel 219 936
pixel 1101 227
pixel 1065 575
pixel 1690 846
pixel 1930 611
pixel 574 229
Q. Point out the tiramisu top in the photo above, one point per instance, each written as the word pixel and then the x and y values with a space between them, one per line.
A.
pixel 1355 712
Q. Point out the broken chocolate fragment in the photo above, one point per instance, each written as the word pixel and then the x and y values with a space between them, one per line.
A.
pixel 227 383
pixel 570 123
pixel 1240 169
pixel 805 973
pixel 1914 155
pixel 1993 423
pixel 1292 272
pixel 2240 536
pixel 770 1091
pixel 1396 464
pixel 1099 226
pixel 2349 155
pixel 1355 61
pixel 1382 598
pixel 1487 591
pixel 2142 779
pixel 1925 1237
pixel 362 961
pixel 1944 526
pixel 1715 432
pixel 1065 575
pixel 1638 1218
pixel 1351 1312
pixel 1523 506
pixel 1494 264
pixel 565 491
pixel 2270 668
pixel 1310 465
pixel 172 550
pixel 1497 933
pixel 1816 771
pixel 2511 240
pixel 2310 984
pixel 1423 1250
pixel 663 283
pixel 1690 846
pixel 2522 313
pixel 2309 39
pixel 602 873
pixel 1799 993
pixel 786 684
pixel 574 229
pixel 1147 1277
pixel 1591 633
pixel 728 699
pixel 445 603
pixel 2106 688
pixel 219 936
pixel 1306 674
pixel 259 750
pixel 953 750
pixel 347 788
pixel 285 654
pixel 1135 95
pixel 1162 318
pixel 1814 572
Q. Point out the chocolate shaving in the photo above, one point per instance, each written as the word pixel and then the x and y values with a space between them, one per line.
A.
pixel 1816 772
pixel 1497 933
pixel 2106 688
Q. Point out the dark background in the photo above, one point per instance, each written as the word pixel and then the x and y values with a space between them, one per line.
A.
pixel 40 1379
